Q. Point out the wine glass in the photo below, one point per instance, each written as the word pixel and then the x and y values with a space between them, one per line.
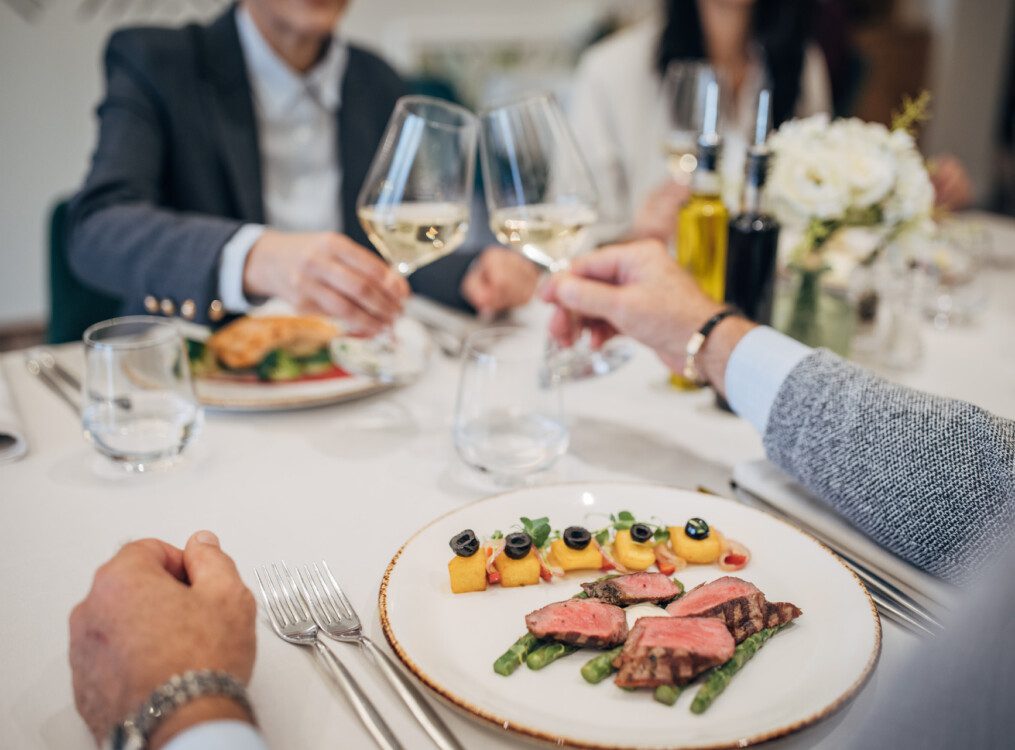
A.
pixel 683 97
pixel 140 409
pixel 414 207
pixel 541 198
pixel 509 423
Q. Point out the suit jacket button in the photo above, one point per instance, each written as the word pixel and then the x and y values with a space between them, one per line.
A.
pixel 216 311
pixel 168 307
pixel 188 309
pixel 151 304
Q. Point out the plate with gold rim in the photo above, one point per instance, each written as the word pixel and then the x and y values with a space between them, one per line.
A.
pixel 802 675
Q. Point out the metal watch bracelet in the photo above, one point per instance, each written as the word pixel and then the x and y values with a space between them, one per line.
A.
pixel 697 341
pixel 176 692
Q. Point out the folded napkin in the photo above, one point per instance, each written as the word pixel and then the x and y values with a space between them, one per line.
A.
pixel 770 483
pixel 12 434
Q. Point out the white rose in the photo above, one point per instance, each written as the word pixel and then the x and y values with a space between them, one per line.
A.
pixel 913 197
pixel 805 185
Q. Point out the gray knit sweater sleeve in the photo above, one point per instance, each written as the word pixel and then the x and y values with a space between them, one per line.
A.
pixel 928 478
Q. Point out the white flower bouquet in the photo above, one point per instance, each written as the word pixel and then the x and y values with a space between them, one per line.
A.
pixel 848 189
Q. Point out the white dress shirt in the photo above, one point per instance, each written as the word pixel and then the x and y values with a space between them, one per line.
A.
pixel 298 141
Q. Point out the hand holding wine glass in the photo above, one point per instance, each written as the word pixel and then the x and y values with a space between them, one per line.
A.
pixel 414 207
pixel 541 198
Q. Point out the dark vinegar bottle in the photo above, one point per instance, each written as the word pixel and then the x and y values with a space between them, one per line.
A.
pixel 753 238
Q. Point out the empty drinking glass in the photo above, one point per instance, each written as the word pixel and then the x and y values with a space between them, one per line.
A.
pixel 139 407
pixel 509 419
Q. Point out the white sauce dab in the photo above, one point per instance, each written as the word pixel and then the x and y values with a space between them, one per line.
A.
pixel 637 611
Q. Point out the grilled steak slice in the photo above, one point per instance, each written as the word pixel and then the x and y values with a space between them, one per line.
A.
pixel 672 650
pixel 739 604
pixel 583 622
pixel 635 588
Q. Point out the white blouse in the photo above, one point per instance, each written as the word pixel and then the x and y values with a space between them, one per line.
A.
pixel 619 120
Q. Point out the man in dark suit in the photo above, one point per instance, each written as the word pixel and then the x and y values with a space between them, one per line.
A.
pixel 227 169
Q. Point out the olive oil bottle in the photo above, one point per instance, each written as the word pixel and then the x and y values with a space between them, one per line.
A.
pixel 702 223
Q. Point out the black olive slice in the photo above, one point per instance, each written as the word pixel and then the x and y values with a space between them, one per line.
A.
pixel 577 537
pixel 465 543
pixel 641 532
pixel 697 528
pixel 517 545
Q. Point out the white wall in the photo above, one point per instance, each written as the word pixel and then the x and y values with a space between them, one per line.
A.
pixel 50 81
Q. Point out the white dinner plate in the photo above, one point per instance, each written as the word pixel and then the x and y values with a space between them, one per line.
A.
pixel 231 395
pixel 450 641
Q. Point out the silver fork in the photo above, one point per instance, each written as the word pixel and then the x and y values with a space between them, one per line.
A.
pixel 291 620
pixel 335 617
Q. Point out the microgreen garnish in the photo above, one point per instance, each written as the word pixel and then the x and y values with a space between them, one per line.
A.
pixel 538 529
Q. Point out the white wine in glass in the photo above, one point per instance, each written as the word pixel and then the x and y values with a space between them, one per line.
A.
pixel 547 234
pixel 414 207
pixel 541 197
pixel 410 235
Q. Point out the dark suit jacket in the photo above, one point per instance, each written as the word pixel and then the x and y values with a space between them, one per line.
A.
pixel 177 167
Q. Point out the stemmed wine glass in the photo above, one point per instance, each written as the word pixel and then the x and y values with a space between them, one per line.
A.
pixel 683 98
pixel 414 207
pixel 541 198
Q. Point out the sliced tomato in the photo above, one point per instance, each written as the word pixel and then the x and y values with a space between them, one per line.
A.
pixel 667 562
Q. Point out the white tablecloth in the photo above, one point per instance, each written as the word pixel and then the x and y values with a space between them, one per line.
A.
pixel 350 483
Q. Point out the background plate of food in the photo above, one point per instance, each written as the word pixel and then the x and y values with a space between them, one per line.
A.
pixel 273 360
pixel 702 623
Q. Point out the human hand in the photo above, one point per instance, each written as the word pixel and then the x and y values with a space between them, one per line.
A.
pixel 953 189
pixel 499 280
pixel 155 611
pixel 328 274
pixel 637 290
pixel 657 217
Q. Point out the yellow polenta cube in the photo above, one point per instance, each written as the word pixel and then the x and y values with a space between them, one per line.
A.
pixel 699 551
pixel 468 573
pixel 631 554
pixel 567 558
pixel 523 572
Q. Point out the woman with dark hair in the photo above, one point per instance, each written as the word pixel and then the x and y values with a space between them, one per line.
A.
pixel 619 114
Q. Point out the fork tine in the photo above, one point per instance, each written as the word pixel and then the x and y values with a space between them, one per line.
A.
pixel 322 616
pixel 298 597
pixel 341 594
pixel 277 622
pixel 288 598
pixel 333 598
pixel 331 614
pixel 283 601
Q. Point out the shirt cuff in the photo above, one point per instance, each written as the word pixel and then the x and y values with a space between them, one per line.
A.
pixel 218 735
pixel 756 370
pixel 231 265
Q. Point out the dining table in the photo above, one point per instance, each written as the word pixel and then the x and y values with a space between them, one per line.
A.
pixel 351 482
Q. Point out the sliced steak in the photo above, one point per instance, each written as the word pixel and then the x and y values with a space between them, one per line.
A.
pixel 672 650
pixel 583 622
pixel 635 588
pixel 738 603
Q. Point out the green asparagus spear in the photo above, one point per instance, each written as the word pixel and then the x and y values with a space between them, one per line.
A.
pixel 548 653
pixel 667 694
pixel 599 667
pixel 720 677
pixel 511 659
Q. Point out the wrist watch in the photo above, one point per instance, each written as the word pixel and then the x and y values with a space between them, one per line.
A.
pixel 133 733
pixel 697 341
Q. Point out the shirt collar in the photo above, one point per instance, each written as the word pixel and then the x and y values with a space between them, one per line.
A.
pixel 276 86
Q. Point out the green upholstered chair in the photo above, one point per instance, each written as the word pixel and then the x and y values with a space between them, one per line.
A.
pixel 72 305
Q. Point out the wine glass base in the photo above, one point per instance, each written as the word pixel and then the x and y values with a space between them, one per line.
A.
pixel 396 357
pixel 581 362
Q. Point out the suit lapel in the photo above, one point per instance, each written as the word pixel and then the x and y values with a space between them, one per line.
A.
pixel 358 136
pixel 228 101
